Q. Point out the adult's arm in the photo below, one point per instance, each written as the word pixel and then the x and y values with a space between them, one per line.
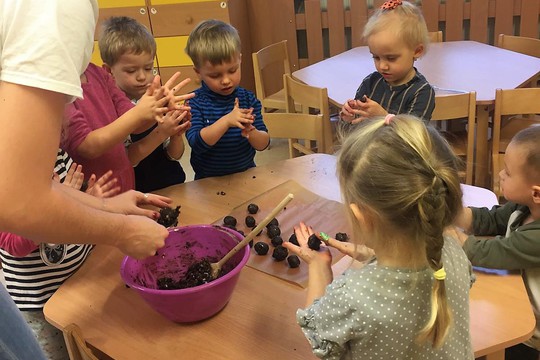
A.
pixel 32 206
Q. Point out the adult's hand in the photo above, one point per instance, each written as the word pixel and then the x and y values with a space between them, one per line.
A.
pixel 130 203
pixel 141 237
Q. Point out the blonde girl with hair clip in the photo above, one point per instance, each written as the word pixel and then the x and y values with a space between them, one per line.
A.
pixel 412 301
pixel 397 36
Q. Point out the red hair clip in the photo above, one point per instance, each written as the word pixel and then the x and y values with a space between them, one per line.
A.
pixel 391 4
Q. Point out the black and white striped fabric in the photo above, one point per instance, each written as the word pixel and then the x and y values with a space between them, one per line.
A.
pixel 32 279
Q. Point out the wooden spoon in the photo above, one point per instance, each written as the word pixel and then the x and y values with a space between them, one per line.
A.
pixel 216 267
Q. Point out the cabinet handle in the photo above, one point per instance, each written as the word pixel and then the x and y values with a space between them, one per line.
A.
pixel 189 20
pixel 153 11
pixel 223 4
pixel 142 11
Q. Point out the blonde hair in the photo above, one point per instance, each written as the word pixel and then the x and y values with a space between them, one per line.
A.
pixel 214 41
pixel 121 35
pixel 405 174
pixel 406 21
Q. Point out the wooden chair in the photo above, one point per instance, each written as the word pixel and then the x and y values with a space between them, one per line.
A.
pixel 511 107
pixel 520 44
pixel 273 57
pixel 307 99
pixel 295 126
pixel 76 346
pixel 458 107
pixel 435 36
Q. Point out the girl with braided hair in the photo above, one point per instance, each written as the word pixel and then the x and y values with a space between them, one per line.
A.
pixel 411 299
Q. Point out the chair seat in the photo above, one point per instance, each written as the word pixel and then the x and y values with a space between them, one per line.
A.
pixel 275 101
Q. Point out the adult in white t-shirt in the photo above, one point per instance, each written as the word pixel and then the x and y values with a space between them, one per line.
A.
pixel 44 48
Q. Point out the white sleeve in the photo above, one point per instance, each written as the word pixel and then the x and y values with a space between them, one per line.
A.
pixel 46 44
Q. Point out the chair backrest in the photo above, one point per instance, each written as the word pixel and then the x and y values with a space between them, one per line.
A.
pixel 295 126
pixel 272 57
pixel 457 107
pixel 310 100
pixel 521 44
pixel 509 103
pixel 76 346
pixel 435 36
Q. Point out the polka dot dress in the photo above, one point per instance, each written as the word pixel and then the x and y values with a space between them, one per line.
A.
pixel 376 312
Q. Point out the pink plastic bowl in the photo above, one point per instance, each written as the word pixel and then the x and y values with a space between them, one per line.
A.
pixel 183 247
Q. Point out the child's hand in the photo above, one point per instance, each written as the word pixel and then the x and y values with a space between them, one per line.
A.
pixel 367 109
pixel 239 118
pixel 174 101
pixel 456 233
pixel 153 104
pixel 104 187
pixel 74 177
pixel 321 258
pixel 348 110
pixel 247 129
pixel 359 252
pixel 175 122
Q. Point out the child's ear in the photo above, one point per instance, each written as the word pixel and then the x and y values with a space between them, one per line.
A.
pixel 362 216
pixel 536 194
pixel 418 51
pixel 197 72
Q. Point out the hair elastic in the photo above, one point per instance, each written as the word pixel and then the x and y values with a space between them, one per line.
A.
pixel 388 118
pixel 391 4
pixel 440 274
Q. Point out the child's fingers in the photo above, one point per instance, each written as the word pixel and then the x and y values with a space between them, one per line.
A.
pixel 360 252
pixel 69 174
pixel 110 184
pixel 56 177
pixel 178 99
pixel 104 178
pixel 78 177
pixel 172 80
pixel 74 176
pixel 182 128
pixel 176 88
pixel 91 182
pixel 112 192
pixel 344 247
pixel 154 86
pixel 236 103
pixel 302 232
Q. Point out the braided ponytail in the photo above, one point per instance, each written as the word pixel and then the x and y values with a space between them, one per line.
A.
pixel 432 213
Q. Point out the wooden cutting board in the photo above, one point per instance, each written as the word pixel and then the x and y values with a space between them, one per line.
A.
pixel 318 212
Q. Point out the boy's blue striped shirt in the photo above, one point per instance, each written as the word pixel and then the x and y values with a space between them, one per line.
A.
pixel 232 153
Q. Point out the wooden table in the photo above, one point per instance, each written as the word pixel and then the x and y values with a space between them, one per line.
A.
pixel 259 321
pixel 455 66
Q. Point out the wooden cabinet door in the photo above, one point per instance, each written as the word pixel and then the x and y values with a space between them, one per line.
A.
pixel 173 20
pixel 177 17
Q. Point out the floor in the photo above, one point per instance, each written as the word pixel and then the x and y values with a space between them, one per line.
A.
pixel 278 150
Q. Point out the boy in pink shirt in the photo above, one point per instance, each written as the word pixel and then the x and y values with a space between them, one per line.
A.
pixel 99 124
